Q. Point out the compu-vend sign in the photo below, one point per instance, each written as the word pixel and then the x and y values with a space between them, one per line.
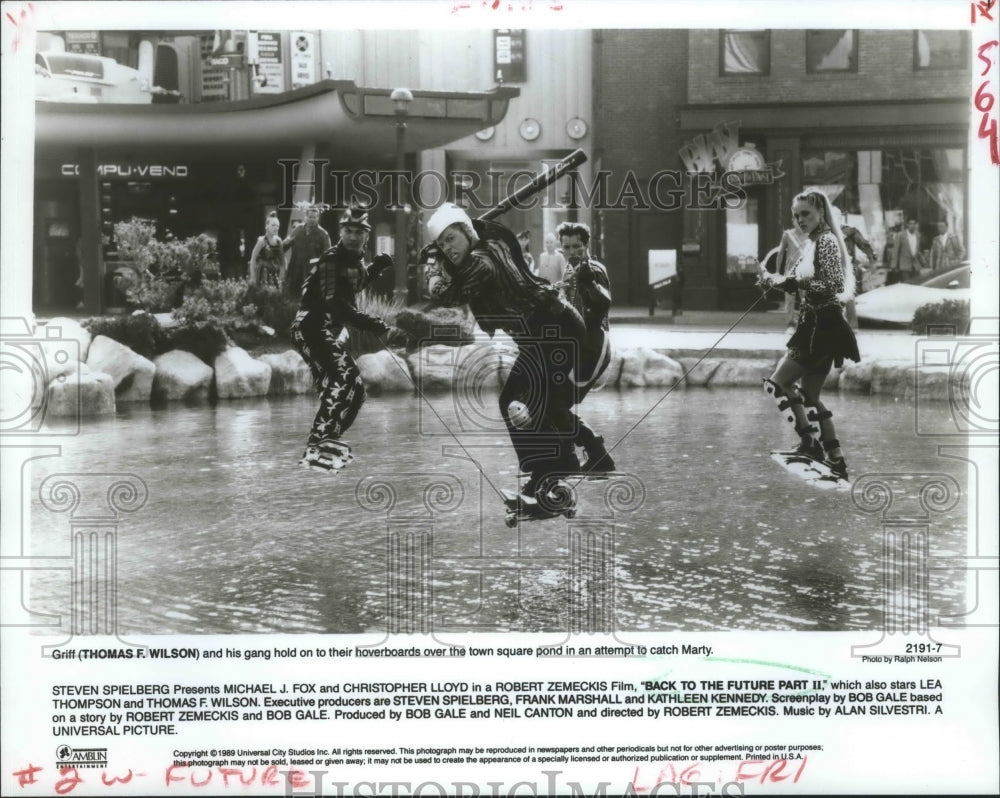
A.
pixel 720 150
pixel 129 170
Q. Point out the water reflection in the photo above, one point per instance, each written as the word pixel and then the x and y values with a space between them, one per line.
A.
pixel 236 538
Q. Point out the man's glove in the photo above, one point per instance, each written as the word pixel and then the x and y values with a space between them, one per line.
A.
pixel 431 252
pixel 381 263
pixel 584 274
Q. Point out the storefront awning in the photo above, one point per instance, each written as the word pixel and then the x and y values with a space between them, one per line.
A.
pixel 359 122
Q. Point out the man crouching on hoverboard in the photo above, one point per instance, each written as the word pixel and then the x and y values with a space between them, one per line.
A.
pixel 482 266
pixel 329 303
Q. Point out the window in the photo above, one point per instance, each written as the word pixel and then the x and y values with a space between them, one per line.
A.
pixel 831 51
pixel 940 49
pixel 742 239
pixel 877 190
pixel 745 52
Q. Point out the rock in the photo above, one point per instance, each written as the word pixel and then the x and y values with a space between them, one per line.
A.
pixel 385 372
pixel 647 367
pixel 137 386
pixel 440 367
pixel 79 394
pixel 433 367
pixel 437 325
pixel 132 373
pixel 856 377
pixel 939 383
pixel 181 375
pixel 166 320
pixel 742 372
pixel 66 331
pixel 861 377
pixel 832 381
pixel 111 357
pixel 699 372
pixel 290 374
pixel 239 376
pixel 892 379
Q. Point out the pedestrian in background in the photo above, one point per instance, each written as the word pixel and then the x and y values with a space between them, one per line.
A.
pixel 853 241
pixel 267 261
pixel 552 262
pixel 906 254
pixel 524 239
pixel 822 337
pixel 307 241
pixel 947 251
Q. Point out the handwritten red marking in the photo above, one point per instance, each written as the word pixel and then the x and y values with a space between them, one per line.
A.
pixel 227 772
pixel 110 781
pixel 981 55
pixel 269 776
pixel 70 778
pixel 21 26
pixel 27 776
pixel 763 771
pixel 983 9
pixel 772 771
pixel 984 102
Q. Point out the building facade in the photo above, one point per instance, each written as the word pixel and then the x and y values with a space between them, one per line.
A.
pixel 230 125
pixel 878 120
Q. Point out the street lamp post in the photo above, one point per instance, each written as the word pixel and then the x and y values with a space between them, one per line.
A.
pixel 401 99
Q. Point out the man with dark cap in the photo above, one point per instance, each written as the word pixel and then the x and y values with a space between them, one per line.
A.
pixel 307 241
pixel 481 264
pixel 329 302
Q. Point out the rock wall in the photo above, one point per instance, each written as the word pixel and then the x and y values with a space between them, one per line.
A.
pixel 89 377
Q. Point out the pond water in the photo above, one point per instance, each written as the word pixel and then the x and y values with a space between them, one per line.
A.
pixel 704 533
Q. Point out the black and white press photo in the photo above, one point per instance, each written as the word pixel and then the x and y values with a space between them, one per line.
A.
pixel 466 395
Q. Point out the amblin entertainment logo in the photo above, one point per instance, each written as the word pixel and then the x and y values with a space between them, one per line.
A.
pixel 68 757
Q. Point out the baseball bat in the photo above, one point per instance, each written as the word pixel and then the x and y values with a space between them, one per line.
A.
pixel 540 182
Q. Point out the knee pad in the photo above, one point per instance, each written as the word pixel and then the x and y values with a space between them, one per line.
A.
pixel 783 400
pixel 519 415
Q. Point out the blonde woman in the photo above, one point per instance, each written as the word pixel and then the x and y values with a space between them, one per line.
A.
pixel 267 261
pixel 822 337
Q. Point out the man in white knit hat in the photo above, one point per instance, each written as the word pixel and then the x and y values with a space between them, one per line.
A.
pixel 480 263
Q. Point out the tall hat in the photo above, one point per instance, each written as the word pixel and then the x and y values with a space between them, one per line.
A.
pixel 355 217
pixel 445 216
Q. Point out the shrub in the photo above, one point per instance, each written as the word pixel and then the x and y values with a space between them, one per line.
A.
pixel 163 269
pixel 272 307
pixel 146 291
pixel 953 313
pixel 215 299
pixel 206 340
pixel 141 332
pixel 133 239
